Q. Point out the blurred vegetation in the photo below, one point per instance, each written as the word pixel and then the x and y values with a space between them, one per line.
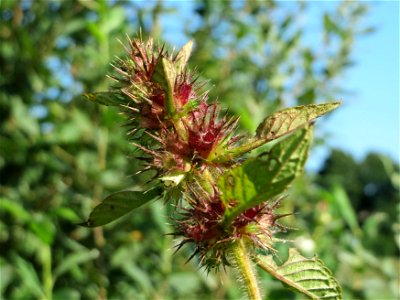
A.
pixel 59 155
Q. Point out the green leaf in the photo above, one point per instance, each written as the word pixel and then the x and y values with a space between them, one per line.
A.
pixel 170 77
pixel 74 259
pixel 183 56
pixel 308 276
pixel 29 277
pixel 287 120
pixel 43 227
pixel 339 199
pixel 279 124
pixel 117 205
pixel 259 179
pixel 17 211
pixel 331 27
pixel 7 274
pixel 66 293
pixel 165 75
pixel 184 282
pixel 105 98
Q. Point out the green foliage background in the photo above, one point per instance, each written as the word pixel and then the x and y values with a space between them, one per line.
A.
pixel 60 155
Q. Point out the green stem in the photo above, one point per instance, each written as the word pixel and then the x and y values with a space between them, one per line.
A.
pixel 47 273
pixel 245 270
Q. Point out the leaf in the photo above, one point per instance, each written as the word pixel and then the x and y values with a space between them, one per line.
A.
pixel 138 275
pixel 105 98
pixel 277 125
pixel 170 77
pixel 117 205
pixel 17 211
pixel 259 179
pixel 184 282
pixel 308 276
pixel 165 75
pixel 29 276
pixel 43 228
pixel 7 274
pixel 331 27
pixel 339 199
pixel 74 259
pixel 287 120
pixel 183 56
pixel 66 293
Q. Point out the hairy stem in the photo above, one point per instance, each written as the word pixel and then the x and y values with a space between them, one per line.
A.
pixel 245 270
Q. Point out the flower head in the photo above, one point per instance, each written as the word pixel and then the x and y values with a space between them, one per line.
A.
pixel 207 131
pixel 202 225
pixel 136 78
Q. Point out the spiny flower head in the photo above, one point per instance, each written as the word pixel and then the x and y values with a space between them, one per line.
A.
pixel 202 225
pixel 185 89
pixel 138 77
pixel 169 104
pixel 205 132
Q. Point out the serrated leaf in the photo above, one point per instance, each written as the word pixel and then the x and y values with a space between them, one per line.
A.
pixel 117 205
pixel 259 179
pixel 287 120
pixel 308 276
pixel 105 98
pixel 277 125
pixel 183 56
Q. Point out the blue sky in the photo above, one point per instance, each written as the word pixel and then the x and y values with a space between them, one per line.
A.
pixel 369 118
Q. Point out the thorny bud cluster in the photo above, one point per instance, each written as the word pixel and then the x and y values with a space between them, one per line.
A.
pixel 180 135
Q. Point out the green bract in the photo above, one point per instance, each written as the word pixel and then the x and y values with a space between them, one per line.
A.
pixel 260 179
